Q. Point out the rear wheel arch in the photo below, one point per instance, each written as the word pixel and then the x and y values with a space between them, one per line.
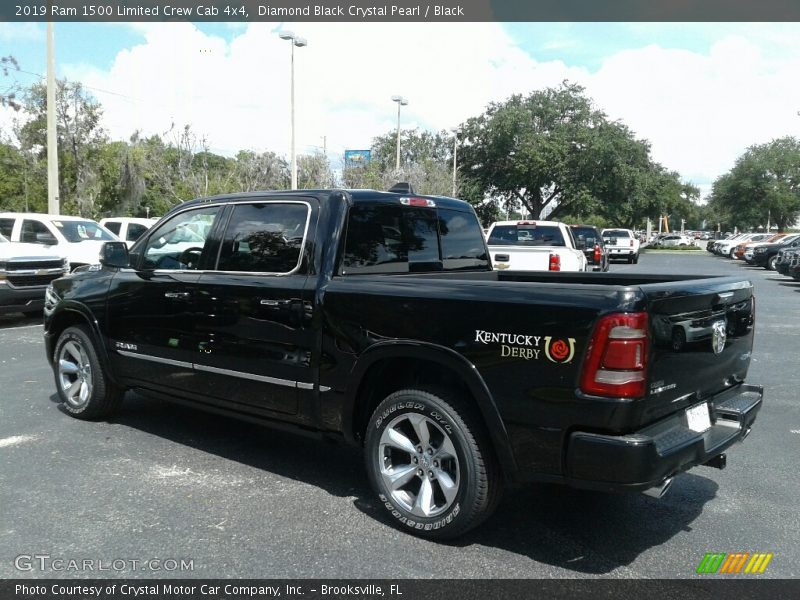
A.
pixel 396 366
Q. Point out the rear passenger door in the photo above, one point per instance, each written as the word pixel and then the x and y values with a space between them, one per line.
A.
pixel 255 310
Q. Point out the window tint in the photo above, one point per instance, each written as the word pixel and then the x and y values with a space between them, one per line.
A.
pixel 264 238
pixel 134 232
pixel 36 232
pixel 113 226
pixel 6 226
pixel 397 239
pixel 462 241
pixel 526 235
pixel 179 242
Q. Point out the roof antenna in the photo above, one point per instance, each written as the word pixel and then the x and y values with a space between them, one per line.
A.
pixel 402 188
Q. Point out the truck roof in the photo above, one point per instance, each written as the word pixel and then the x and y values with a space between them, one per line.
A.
pixel 359 196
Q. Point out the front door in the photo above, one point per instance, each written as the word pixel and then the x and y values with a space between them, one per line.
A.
pixel 151 306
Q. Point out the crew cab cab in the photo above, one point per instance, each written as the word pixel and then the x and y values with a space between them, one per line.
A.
pixel 534 246
pixel 376 318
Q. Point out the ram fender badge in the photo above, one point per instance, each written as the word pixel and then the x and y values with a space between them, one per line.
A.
pixel 718 337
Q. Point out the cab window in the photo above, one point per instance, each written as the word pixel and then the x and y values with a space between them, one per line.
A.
pixel 113 226
pixel 178 243
pixel 265 237
pixel 6 227
pixel 135 231
pixel 36 232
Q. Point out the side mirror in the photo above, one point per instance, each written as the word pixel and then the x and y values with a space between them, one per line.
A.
pixel 115 254
pixel 46 238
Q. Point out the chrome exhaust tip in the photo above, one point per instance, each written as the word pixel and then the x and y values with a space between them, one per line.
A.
pixel 659 490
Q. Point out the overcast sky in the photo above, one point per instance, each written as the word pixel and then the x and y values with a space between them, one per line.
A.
pixel 700 93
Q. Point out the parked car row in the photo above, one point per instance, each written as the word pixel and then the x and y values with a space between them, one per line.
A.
pixel 533 245
pixel 759 249
pixel 36 248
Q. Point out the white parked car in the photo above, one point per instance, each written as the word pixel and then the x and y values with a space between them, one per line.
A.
pixel 621 243
pixel 128 229
pixel 25 272
pixel 534 246
pixel 76 238
pixel 674 240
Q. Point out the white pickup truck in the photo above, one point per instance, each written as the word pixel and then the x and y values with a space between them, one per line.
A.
pixel 621 243
pixel 534 246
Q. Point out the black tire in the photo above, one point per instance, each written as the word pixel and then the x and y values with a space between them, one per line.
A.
pixel 478 482
pixel 771 262
pixel 732 254
pixel 636 259
pixel 76 349
pixel 630 260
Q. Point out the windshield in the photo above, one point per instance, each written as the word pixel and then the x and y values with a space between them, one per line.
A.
pixel 80 231
pixel 2 239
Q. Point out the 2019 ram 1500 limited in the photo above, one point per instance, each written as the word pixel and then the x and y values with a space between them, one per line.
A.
pixel 376 318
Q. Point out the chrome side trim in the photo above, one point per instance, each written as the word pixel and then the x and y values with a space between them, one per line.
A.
pixel 158 359
pixel 241 375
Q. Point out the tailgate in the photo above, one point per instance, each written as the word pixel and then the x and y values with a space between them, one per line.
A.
pixel 517 258
pixel 702 337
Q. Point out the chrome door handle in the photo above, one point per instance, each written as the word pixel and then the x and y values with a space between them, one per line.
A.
pixel 176 295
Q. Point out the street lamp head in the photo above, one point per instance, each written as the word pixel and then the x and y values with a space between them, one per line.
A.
pixel 286 35
pixel 400 99
pixel 300 42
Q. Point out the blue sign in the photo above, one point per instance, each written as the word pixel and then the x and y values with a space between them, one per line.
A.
pixel 356 158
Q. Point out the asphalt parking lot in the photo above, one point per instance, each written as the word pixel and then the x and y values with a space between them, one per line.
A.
pixel 166 482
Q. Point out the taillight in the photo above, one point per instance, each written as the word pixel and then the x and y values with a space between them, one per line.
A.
pixel 555 262
pixel 631 244
pixel 597 254
pixel 616 363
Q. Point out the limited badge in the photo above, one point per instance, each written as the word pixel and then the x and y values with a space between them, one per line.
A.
pixel 718 337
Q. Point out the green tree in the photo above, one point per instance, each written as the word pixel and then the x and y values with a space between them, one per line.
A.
pixel 763 185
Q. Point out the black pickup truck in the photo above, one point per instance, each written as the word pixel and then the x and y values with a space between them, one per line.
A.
pixel 376 318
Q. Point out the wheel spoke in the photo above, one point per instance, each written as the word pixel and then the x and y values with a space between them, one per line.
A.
pixel 85 391
pixel 67 367
pixel 396 478
pixel 398 440
pixel 446 450
pixel 420 425
pixel 448 486
pixel 424 504
pixel 74 352
pixel 73 389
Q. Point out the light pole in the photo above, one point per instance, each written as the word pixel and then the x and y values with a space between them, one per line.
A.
pixel 455 153
pixel 400 102
pixel 299 42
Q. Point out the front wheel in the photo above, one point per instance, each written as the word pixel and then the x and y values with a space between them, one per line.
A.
pixel 83 387
pixel 430 463
pixel 732 254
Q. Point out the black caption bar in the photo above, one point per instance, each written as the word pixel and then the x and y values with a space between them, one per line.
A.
pixel 399 10
pixel 315 589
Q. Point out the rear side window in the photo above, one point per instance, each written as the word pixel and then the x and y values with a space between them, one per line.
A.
pixel 6 226
pixel 264 237
pixel 397 239
pixel 526 235
pixel 113 226
pixel 462 241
